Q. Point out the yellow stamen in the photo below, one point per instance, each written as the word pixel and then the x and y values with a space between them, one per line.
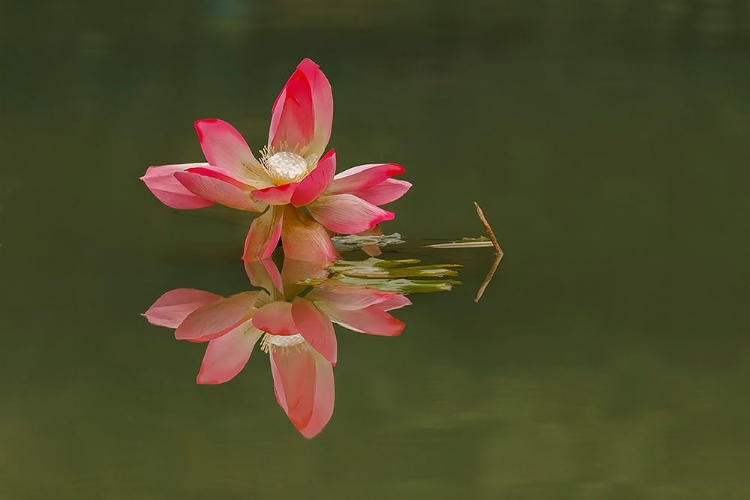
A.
pixel 285 165
pixel 283 343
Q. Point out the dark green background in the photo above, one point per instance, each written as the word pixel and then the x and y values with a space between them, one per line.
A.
pixel 606 141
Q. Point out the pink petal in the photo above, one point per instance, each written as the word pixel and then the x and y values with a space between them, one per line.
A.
pixel 225 148
pixel 217 318
pixel 372 320
pixel 162 183
pixel 387 191
pixel 222 175
pixel 275 318
pixel 316 181
pixel 397 302
pixel 325 395
pixel 347 214
pixel 276 195
pixel 315 328
pixel 322 106
pixel 265 274
pixel 305 239
pixel 263 235
pixel 297 271
pixel 350 297
pixel 364 176
pixel 217 190
pixel 173 307
pixel 294 383
pixel 292 120
pixel 304 387
pixel 227 355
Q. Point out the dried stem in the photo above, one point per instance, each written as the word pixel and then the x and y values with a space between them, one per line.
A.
pixel 487 228
pixel 476 244
pixel 495 244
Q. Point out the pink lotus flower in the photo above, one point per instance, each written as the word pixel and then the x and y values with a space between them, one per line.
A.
pixel 296 332
pixel 293 173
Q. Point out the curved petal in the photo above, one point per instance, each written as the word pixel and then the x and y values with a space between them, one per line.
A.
pixel 265 274
pixel 222 175
pixel 316 181
pixel 397 302
pixel 350 297
pixel 173 307
pixel 364 176
pixel 224 147
pixel 387 191
pixel 276 195
pixel 347 214
pixel 217 318
pixel 295 272
pixel 322 99
pixel 372 320
pixel 275 318
pixel 263 235
pixel 305 239
pixel 315 328
pixel 292 121
pixel 227 355
pixel 218 190
pixel 304 387
pixel 325 395
pixel 168 190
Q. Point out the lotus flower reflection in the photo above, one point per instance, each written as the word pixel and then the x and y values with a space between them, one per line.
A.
pixel 297 332
pixel 292 173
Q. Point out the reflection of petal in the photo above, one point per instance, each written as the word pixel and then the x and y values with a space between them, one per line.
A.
pixel 325 395
pixel 372 320
pixel 227 355
pixel 275 318
pixel 215 319
pixel 304 387
pixel 350 297
pixel 290 281
pixel 173 307
pixel 297 271
pixel 315 328
pixel 396 302
pixel 264 274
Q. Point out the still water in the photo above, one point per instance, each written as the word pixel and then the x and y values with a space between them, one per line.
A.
pixel 605 141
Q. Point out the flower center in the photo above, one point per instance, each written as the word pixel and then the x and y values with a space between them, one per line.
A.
pixel 271 343
pixel 285 167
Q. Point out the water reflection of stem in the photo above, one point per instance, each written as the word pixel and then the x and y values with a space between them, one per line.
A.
pixel 489 276
pixel 498 256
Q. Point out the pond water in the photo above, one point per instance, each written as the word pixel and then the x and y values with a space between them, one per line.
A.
pixel 606 143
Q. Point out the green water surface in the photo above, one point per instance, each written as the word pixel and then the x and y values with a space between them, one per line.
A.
pixel 607 143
